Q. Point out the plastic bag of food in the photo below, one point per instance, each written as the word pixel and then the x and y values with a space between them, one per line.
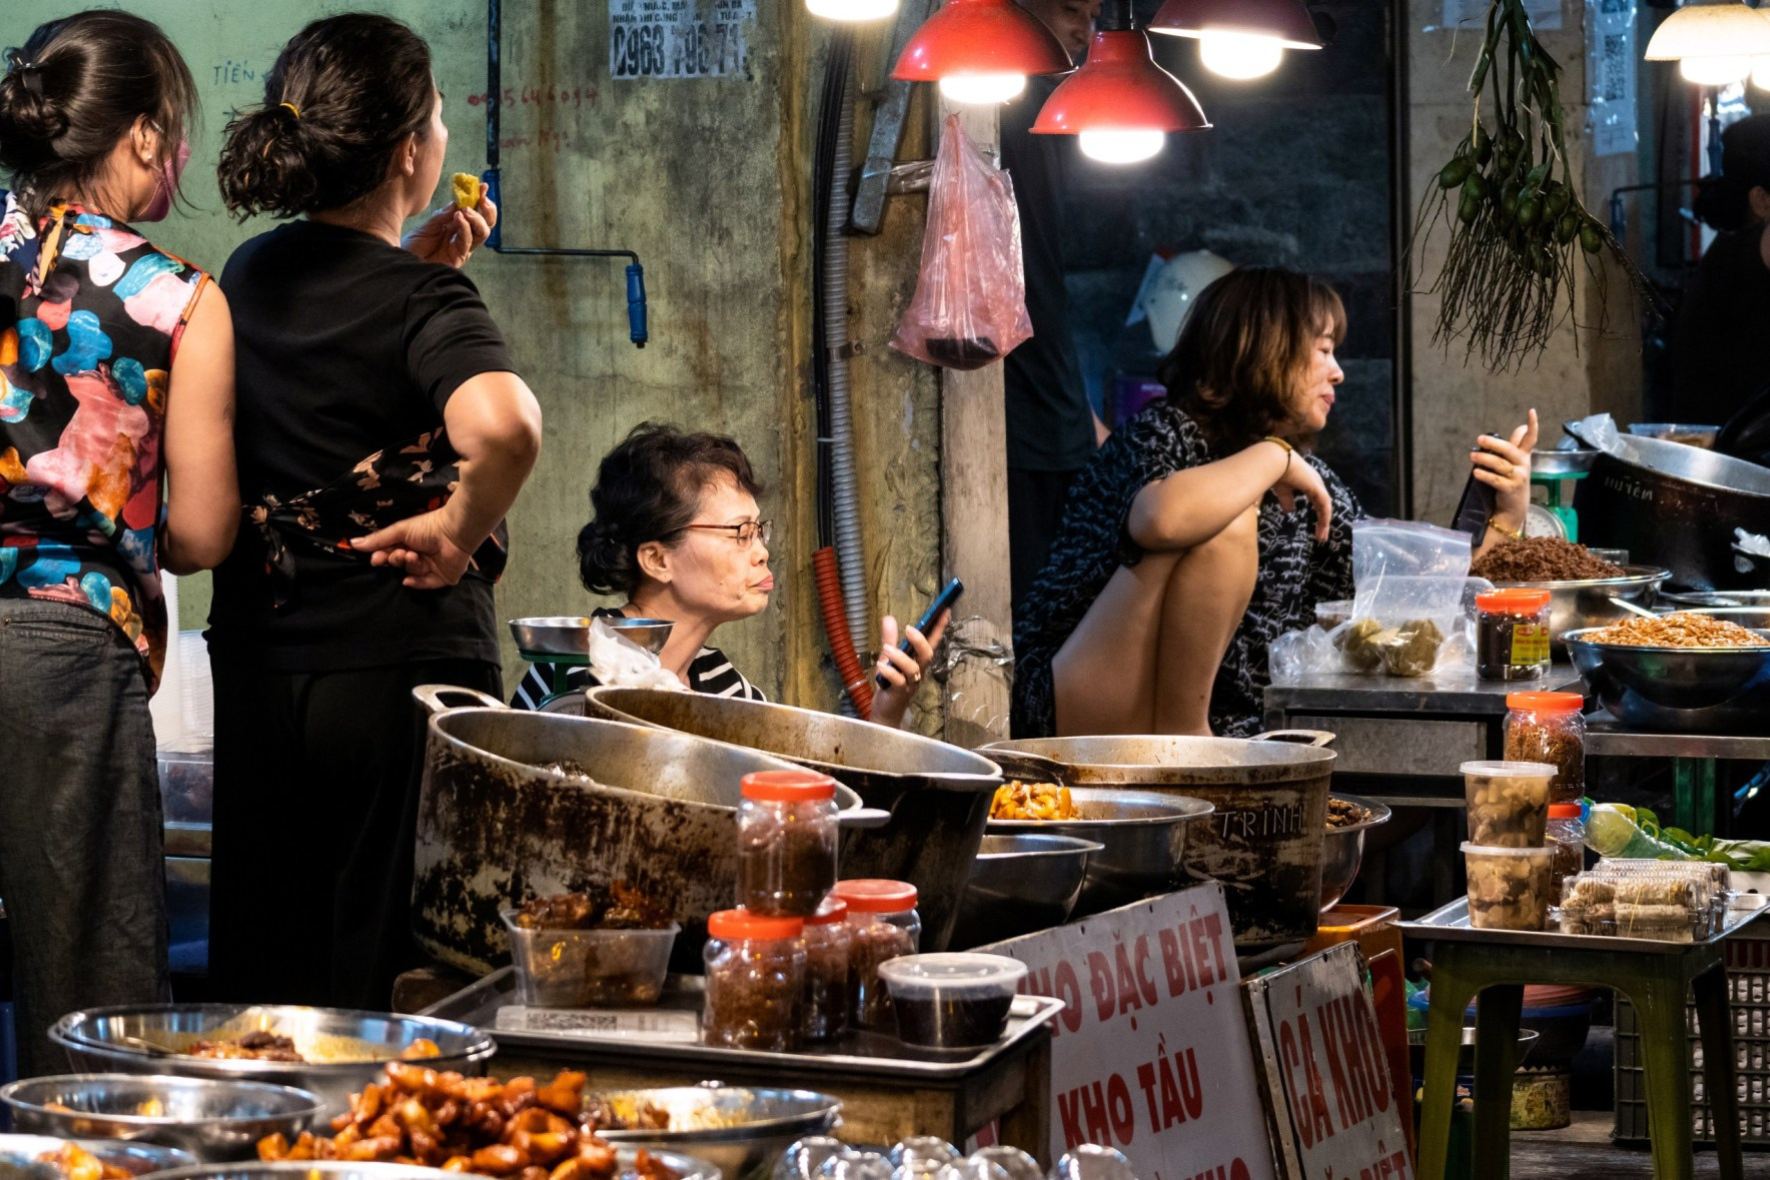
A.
pixel 617 661
pixel 970 303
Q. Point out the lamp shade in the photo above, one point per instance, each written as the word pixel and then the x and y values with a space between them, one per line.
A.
pixel 1728 29
pixel 1120 88
pixel 1285 21
pixel 980 37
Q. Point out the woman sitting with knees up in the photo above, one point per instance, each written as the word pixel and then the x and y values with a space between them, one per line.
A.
pixel 1203 530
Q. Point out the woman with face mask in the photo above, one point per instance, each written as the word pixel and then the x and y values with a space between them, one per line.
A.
pixel 116 460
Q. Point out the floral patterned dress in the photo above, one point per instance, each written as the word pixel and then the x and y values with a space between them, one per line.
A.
pixel 91 314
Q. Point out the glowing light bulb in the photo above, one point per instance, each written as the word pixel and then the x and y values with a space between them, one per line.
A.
pixel 851 11
pixel 981 89
pixel 1715 71
pixel 1121 146
pixel 1240 55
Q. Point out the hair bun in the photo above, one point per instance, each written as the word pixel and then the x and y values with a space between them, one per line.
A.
pixel 30 121
pixel 605 565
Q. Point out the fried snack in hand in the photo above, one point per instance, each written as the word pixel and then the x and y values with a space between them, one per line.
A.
pixel 467 190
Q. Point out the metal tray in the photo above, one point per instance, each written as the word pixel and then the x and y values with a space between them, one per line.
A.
pixel 858 1053
pixel 1451 924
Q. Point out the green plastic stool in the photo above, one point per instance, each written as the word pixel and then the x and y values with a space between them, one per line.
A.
pixel 1656 982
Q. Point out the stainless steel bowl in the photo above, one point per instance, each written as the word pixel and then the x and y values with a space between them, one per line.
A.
pixel 344 1048
pixel 685 1166
pixel 552 635
pixel 214 1120
pixel 1559 462
pixel 1416 1050
pixel 139 1159
pixel 753 1127
pixel 1574 604
pixel 651 634
pixel 1342 850
pixel 1690 690
pixel 1142 837
pixel 1020 884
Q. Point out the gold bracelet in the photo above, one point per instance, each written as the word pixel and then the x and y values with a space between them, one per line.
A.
pixel 1289 450
pixel 1516 535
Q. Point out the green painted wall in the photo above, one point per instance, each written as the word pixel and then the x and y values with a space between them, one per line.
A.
pixel 708 179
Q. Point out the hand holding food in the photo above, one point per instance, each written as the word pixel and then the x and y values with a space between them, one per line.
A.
pixel 468 190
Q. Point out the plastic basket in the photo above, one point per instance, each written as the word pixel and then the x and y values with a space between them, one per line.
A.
pixel 1748 985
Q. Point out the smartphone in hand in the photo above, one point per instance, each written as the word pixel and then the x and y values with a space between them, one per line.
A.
pixel 943 601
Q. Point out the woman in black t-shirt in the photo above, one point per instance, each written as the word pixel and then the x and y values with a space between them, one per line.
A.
pixel 382 436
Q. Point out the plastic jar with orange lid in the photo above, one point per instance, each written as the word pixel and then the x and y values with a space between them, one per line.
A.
pixel 1550 727
pixel 1512 634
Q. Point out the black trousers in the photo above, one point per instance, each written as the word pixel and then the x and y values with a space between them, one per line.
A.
pixel 316 797
pixel 82 863
pixel 1035 509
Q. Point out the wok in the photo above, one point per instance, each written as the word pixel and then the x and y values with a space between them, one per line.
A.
pixel 496 827
pixel 1264 840
pixel 1682 690
pixel 938 795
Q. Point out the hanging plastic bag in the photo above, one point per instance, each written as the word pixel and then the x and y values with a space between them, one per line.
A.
pixel 970 303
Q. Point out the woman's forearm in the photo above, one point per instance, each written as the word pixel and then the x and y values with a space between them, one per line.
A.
pixel 1190 507
pixel 494 424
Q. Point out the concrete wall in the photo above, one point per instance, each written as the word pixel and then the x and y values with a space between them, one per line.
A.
pixel 1587 368
pixel 708 179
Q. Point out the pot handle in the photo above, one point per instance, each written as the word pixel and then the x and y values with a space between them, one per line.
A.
pixel 431 697
pixel 1317 738
pixel 863 817
pixel 1019 765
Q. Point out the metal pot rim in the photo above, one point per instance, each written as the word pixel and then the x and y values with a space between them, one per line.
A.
pixel 1295 762
pixel 1065 845
pixel 313 1103
pixel 1579 637
pixel 1180 809
pixel 1642 575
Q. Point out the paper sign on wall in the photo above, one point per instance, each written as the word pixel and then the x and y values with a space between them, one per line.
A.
pixel 679 38
pixel 1612 74
pixel 1327 1066
pixel 1150 1054
pixel 1544 14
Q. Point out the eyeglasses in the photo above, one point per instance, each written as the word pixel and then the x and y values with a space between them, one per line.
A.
pixel 744 533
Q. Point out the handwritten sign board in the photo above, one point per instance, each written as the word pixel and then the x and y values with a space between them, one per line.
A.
pixel 1327 1072
pixel 679 38
pixel 1150 1054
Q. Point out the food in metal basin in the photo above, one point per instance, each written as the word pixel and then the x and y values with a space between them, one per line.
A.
pixel 1017 800
pixel 259 1045
pixel 1683 629
pixel 1542 559
pixel 76 1163
pixel 1343 813
pixel 479 1125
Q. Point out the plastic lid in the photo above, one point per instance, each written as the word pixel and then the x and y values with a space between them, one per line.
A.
pixel 868 895
pixel 730 925
pixel 788 786
pixel 953 971
pixel 1516 601
pixel 831 911
pixel 1508 769
pixel 1564 810
pixel 1546 702
pixel 1496 850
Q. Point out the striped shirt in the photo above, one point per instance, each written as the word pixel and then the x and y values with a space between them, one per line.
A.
pixel 709 672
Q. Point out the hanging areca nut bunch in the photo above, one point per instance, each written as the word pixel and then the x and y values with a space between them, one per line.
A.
pixel 1517 227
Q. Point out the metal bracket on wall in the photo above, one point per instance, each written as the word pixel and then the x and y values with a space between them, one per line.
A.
pixel 911 177
pixel 868 213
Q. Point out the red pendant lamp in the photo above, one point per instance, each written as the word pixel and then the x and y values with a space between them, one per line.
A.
pixel 1240 38
pixel 1120 103
pixel 981 51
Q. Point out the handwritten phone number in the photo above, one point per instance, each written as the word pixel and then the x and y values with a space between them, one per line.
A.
pixel 694 49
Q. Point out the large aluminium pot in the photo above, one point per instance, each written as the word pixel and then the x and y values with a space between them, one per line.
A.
pixel 496 827
pixel 938 795
pixel 1676 506
pixel 1263 842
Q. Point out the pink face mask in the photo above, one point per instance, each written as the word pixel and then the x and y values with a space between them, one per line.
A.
pixel 166 184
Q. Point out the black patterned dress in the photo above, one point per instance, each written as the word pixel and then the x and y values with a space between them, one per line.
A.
pixel 1296 571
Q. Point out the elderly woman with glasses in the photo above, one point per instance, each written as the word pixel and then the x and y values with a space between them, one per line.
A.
pixel 676 530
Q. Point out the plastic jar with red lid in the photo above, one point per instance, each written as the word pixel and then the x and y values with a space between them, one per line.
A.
pixel 1550 727
pixel 882 924
pixel 1566 835
pixel 828 943
pixel 786 842
pixel 1512 634
pixel 755 981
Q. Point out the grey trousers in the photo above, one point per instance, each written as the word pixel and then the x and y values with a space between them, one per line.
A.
pixel 82 867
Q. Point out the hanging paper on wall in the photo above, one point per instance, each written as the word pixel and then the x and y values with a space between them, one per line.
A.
pixel 679 38
pixel 1612 76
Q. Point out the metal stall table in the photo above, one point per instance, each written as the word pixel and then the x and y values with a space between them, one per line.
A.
pixel 1698 804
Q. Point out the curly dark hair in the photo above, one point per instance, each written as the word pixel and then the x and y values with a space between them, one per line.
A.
pixel 74 88
pixel 343 95
pixel 647 489
pixel 1237 362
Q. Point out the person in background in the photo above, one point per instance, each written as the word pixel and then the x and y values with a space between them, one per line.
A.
pixel 1202 530
pixel 383 435
pixel 1052 428
pixel 676 529
pixel 116 461
pixel 1720 349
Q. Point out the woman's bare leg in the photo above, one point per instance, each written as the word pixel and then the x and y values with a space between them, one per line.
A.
pixel 1144 656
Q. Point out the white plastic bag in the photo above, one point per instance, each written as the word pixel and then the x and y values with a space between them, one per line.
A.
pixel 618 662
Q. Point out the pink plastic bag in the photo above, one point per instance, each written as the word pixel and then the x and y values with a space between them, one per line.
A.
pixel 970 303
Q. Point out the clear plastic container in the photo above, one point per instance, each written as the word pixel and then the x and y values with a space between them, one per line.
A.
pixel 952 1001
pixel 1549 727
pixel 805 1158
pixel 883 924
pixel 1508 802
pixel 1512 634
pixel 921 1156
pixel 786 842
pixel 1566 835
pixel 589 968
pixel 755 981
pixel 1508 887
pixel 827 945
